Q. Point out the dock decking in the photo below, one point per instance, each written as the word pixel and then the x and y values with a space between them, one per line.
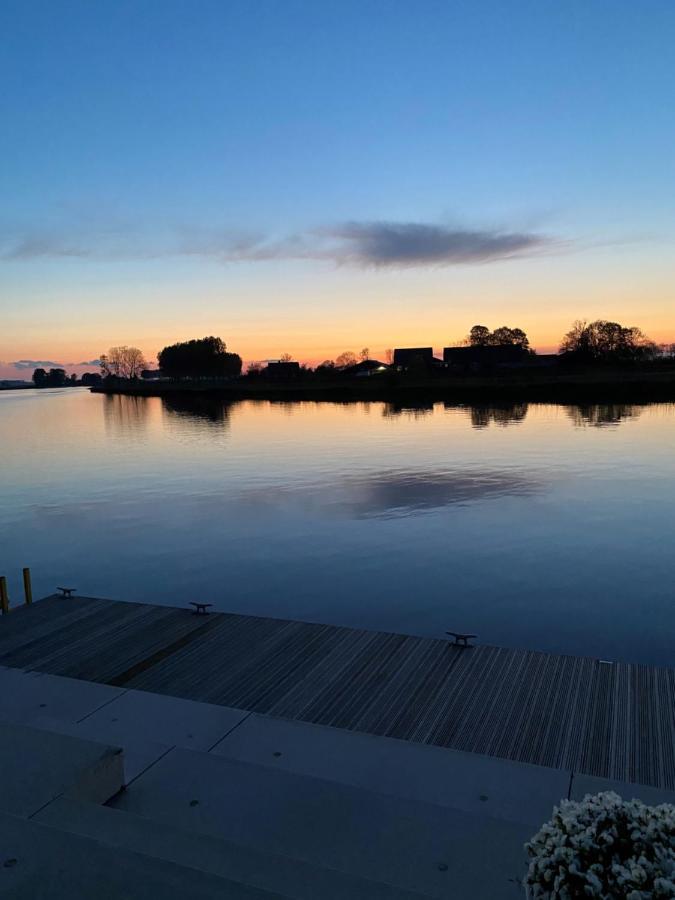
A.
pixel 613 720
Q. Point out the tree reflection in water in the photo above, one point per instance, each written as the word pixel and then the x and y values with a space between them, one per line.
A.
pixel 200 407
pixel 602 414
pixel 486 414
pixel 125 415
pixel 414 410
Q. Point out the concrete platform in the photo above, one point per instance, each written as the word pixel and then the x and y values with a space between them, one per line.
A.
pixel 167 720
pixel 145 725
pixel 502 789
pixel 587 784
pixel 253 806
pixel 138 754
pixel 246 865
pixel 37 766
pixel 25 695
pixel 42 863
pixel 413 845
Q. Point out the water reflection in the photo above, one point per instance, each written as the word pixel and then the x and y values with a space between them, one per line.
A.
pixel 482 416
pixel 199 407
pixel 129 415
pixel 414 410
pixel 401 493
pixel 603 414
pixel 395 493
pixel 125 415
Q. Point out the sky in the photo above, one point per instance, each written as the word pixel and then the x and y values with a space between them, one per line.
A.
pixel 311 177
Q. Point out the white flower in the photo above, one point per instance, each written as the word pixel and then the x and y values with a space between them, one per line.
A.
pixel 605 847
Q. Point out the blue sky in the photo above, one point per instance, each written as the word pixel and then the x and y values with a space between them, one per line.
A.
pixel 168 166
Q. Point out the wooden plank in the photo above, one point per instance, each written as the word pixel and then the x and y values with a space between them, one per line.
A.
pixel 616 721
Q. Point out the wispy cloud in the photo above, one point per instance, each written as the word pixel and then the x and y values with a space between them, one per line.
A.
pixel 377 244
pixel 21 364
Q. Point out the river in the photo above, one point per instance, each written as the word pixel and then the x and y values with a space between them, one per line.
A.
pixel 541 526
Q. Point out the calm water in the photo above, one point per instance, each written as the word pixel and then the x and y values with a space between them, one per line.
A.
pixel 543 526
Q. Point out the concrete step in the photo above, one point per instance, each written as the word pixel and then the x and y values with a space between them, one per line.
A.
pixel 25 695
pixel 145 725
pixel 411 844
pixel 37 766
pixel 290 878
pixel 501 788
pixel 42 863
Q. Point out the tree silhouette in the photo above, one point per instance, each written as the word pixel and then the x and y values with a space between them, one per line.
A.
pixel 348 358
pixel 123 362
pixel 53 378
pixel 603 341
pixel 481 336
pixel 207 357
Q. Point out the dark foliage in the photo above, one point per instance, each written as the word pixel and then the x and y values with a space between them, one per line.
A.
pixel 204 358
pixel 602 341
pixel 481 336
pixel 52 378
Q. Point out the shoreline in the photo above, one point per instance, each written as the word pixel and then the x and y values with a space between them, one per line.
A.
pixel 568 388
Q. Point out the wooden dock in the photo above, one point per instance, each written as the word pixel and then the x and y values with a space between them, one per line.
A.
pixel 614 720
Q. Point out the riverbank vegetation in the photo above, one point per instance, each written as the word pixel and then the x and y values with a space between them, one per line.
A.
pixel 58 378
pixel 599 357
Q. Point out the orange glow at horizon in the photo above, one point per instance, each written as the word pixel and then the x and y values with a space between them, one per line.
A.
pixel 259 329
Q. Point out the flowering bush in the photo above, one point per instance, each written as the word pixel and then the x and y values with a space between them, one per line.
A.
pixel 605 847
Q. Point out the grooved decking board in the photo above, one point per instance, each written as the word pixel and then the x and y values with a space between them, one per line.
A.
pixel 611 720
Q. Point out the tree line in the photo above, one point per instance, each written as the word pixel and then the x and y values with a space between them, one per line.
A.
pixel 57 377
pixel 595 342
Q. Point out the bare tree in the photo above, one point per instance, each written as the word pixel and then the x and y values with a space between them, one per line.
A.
pixel 285 357
pixel 123 362
pixel 365 354
pixel 348 358
pixel 389 356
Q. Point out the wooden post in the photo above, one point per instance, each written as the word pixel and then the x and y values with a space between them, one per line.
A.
pixel 27 588
pixel 4 598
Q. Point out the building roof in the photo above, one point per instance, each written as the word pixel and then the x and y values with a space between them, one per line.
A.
pixel 404 355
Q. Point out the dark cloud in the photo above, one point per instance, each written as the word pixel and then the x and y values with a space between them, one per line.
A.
pixel 379 245
pixel 21 364
pixel 392 244
pixel 25 364
pixel 361 244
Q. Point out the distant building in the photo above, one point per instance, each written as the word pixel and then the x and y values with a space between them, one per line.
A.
pixel 545 360
pixel 366 367
pixel 415 357
pixel 151 374
pixel 479 359
pixel 282 369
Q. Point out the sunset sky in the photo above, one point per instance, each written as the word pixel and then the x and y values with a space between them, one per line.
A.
pixel 311 177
